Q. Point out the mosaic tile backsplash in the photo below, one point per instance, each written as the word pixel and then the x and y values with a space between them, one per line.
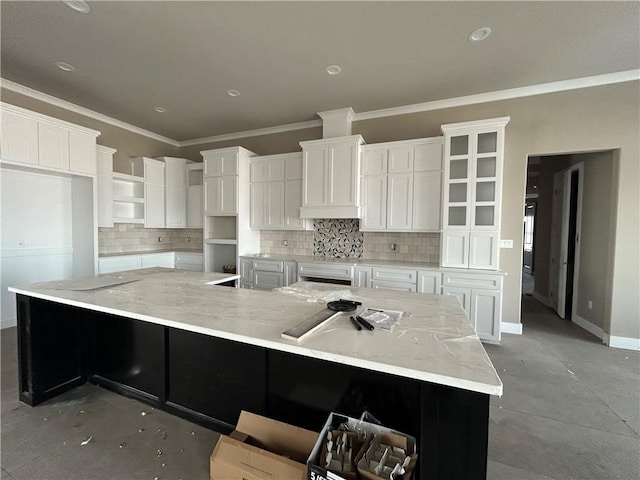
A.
pixel 410 247
pixel 337 238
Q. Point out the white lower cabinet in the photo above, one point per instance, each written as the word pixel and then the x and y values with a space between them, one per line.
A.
pixel 483 250
pixel 246 273
pixel 166 260
pixel 267 280
pixel 290 273
pixel 480 295
pixel 397 286
pixel 398 279
pixel 189 261
pixel 362 277
pixel 122 263
pixel 265 274
pixel 430 281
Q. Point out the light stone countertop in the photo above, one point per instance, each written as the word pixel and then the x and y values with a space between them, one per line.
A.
pixel 436 343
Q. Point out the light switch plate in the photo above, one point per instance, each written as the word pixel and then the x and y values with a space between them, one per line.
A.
pixel 506 243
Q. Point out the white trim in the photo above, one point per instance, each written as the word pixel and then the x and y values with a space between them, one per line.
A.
pixel 32 252
pixel 58 102
pixel 12 322
pixel 540 89
pixel 543 300
pixel 587 325
pixel 252 133
pixel 509 327
pixel 627 343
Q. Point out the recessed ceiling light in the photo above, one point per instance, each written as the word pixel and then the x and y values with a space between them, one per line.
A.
pixel 79 6
pixel 479 34
pixel 233 93
pixel 67 67
pixel 160 109
pixel 333 69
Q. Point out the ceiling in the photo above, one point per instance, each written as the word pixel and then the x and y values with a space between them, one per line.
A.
pixel 133 56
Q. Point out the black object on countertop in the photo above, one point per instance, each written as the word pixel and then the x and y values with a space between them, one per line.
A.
pixel 364 323
pixel 355 323
pixel 343 305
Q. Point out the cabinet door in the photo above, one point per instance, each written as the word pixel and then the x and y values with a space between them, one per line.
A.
pixel 343 174
pixel 105 201
pixel 220 196
pixel 395 286
pixel 166 260
pixel 315 181
pixel 463 295
pixel 455 249
pixel 19 138
pixel 154 194
pixel 275 204
pixel 486 313
pixel 374 202
pixel 53 146
pixel 176 206
pixel 374 161
pixel 292 204
pixel 194 206
pixel 246 270
pixel 82 153
pixel 428 157
pixel 258 208
pixel 211 197
pixel 400 202
pixel 221 163
pixel 401 159
pixel 429 282
pixel 119 264
pixel 290 273
pixel 426 200
pixel 483 250
pixel 362 277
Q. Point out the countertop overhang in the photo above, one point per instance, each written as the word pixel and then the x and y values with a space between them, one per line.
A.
pixel 435 342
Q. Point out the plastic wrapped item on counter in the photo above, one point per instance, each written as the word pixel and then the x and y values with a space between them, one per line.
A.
pixel 314 293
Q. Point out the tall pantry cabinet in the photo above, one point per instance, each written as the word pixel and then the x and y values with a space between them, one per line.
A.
pixel 472 193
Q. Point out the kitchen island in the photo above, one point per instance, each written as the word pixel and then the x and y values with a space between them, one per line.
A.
pixel 205 352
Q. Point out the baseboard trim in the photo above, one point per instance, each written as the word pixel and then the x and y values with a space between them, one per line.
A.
pixel 588 326
pixel 513 328
pixel 12 322
pixel 626 343
pixel 543 300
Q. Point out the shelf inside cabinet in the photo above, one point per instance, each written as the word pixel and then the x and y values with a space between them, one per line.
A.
pixel 127 199
pixel 123 177
pixel 128 220
pixel 221 241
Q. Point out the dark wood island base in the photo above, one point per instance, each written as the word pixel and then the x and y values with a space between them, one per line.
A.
pixel 209 380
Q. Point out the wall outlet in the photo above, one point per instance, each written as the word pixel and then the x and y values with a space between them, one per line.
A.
pixel 188 239
pixel 590 305
pixel 506 243
pixel 20 243
pixel 285 243
pixel 159 239
pixel 393 247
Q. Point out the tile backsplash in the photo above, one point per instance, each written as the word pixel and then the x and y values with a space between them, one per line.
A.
pixel 337 236
pixel 126 237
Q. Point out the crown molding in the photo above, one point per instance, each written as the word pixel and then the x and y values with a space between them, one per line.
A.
pixel 58 102
pixel 252 133
pixel 540 89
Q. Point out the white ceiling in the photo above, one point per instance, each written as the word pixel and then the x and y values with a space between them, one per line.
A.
pixel 133 56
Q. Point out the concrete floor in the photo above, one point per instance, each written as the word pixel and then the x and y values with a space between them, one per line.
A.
pixel 571 410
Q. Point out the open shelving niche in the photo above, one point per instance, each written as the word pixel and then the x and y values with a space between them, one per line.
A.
pixel 220 242
pixel 128 198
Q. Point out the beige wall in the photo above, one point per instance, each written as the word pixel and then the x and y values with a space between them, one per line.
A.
pixel 127 144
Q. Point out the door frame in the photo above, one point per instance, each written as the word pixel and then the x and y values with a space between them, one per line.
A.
pixel 566 205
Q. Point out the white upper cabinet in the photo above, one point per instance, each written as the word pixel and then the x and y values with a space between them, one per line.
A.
pixel 153 173
pixel 34 139
pixel 276 192
pixel 175 191
pixel 104 160
pixel 221 163
pixel 194 195
pixel 472 193
pixel 402 185
pixel 331 170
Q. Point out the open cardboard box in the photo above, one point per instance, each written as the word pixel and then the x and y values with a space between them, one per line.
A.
pixel 261 448
pixel 315 470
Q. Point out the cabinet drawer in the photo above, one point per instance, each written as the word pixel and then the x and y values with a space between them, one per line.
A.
pixel 268 266
pixel 119 264
pixel 397 286
pixel 473 280
pixel 338 272
pixel 267 280
pixel 394 275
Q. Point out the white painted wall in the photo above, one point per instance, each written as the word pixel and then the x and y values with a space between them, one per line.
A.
pixel 35 212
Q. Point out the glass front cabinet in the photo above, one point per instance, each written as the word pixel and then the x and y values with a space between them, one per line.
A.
pixel 472 193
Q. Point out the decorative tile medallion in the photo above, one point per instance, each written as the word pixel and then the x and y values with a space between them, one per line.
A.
pixel 337 238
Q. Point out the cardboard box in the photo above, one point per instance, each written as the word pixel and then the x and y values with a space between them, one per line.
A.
pixel 262 449
pixel 316 472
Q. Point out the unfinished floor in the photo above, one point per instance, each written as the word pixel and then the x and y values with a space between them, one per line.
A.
pixel 570 410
